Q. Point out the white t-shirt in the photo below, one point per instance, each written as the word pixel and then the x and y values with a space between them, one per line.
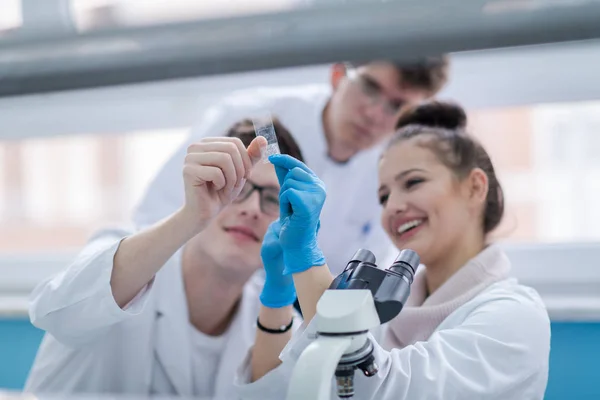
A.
pixel 206 356
pixel 350 219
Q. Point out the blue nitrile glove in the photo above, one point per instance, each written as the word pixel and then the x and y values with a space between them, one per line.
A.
pixel 301 199
pixel 279 290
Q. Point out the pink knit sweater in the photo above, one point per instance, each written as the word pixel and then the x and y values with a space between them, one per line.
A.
pixel 422 315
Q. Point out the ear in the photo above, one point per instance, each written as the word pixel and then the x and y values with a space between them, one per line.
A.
pixel 338 73
pixel 477 186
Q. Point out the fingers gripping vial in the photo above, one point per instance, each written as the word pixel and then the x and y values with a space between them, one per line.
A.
pixel 263 126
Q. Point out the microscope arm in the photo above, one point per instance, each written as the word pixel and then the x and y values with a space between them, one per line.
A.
pixel 343 320
pixel 314 370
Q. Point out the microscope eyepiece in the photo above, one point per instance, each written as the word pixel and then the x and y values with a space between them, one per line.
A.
pixel 344 280
pixel 409 257
pixel 363 255
pixel 406 263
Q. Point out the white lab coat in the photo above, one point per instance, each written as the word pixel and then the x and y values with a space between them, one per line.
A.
pixel 350 218
pixel 494 347
pixel 94 346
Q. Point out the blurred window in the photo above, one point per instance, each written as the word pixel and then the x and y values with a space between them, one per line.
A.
pixel 54 192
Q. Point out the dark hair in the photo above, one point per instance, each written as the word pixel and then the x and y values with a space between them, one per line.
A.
pixel 429 74
pixel 444 125
pixel 244 130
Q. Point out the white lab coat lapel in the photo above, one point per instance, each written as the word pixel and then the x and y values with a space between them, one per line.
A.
pixel 240 338
pixel 172 343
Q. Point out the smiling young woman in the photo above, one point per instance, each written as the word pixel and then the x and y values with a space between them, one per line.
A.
pixel 460 333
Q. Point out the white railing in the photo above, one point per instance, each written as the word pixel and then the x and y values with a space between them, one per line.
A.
pixel 483 79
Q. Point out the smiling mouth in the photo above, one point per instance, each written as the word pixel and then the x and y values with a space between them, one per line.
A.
pixel 409 226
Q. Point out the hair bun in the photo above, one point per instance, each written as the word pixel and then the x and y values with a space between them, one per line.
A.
pixel 435 114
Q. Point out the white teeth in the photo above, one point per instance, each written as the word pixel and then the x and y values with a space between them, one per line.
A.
pixel 408 225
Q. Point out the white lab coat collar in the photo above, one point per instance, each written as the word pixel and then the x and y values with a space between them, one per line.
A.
pixel 422 315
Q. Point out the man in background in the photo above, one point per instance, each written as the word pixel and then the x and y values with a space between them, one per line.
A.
pixel 340 128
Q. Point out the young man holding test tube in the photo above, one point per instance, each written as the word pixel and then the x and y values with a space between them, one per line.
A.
pixel 170 309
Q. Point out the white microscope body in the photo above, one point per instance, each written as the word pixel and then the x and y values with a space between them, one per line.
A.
pixel 349 313
pixel 361 298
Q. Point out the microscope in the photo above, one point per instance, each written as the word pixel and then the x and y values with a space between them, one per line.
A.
pixel 361 298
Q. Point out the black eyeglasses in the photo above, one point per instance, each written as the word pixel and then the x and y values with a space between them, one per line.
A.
pixel 269 197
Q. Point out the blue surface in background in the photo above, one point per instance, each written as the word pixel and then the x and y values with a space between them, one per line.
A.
pixel 19 341
pixel 573 359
